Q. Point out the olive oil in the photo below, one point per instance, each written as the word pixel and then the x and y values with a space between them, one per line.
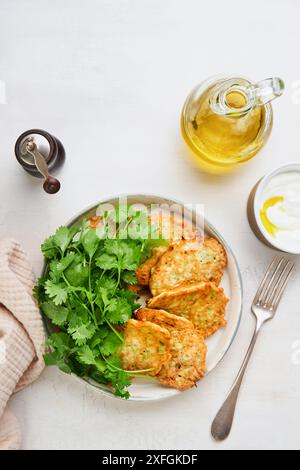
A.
pixel 223 127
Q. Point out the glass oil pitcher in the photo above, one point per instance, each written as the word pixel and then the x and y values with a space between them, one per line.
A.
pixel 226 121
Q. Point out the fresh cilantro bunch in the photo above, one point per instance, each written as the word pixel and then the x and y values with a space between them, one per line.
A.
pixel 84 294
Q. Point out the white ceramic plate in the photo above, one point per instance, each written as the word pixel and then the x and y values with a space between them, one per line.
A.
pixel 218 344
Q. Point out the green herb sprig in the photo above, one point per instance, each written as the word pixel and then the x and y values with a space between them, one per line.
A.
pixel 84 294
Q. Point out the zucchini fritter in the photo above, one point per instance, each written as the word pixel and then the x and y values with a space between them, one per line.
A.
pixel 146 346
pixel 171 228
pixel 143 272
pixel 188 261
pixel 202 303
pixel 187 364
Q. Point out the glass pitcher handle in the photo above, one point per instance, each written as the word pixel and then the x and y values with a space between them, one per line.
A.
pixel 267 90
pixel 256 94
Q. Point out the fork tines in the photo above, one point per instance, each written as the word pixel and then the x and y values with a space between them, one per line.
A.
pixel 273 284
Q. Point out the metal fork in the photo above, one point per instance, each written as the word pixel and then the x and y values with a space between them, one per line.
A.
pixel 264 307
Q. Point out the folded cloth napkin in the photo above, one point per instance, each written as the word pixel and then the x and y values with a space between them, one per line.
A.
pixel 22 336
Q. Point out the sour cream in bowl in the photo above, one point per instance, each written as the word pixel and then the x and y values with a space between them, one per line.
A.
pixel 276 208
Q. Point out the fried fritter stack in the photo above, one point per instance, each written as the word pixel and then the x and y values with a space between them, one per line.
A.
pixel 187 305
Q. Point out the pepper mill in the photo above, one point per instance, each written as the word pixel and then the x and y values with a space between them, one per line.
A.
pixel 39 152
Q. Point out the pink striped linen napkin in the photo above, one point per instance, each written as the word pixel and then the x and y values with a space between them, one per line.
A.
pixel 22 337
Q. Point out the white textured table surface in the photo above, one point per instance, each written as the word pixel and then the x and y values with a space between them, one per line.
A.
pixel 109 79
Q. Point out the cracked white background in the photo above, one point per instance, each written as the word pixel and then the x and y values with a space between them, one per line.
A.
pixel 109 79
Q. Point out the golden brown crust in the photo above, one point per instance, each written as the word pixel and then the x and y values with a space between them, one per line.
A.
pixel 136 288
pixel 143 272
pixel 146 346
pixel 202 303
pixel 188 261
pixel 171 228
pixel 163 318
pixel 187 364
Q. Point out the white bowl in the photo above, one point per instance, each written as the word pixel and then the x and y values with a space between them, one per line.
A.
pixel 256 202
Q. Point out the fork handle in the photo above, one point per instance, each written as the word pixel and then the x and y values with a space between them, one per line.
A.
pixel 222 423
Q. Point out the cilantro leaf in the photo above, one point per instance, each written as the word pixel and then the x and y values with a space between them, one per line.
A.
pixel 57 268
pixel 119 389
pixel 57 292
pixel 61 342
pixel 49 249
pixel 118 311
pixel 131 256
pixel 129 277
pixel 85 355
pixel 39 290
pixel 99 375
pixel 65 262
pixel 77 312
pixel 54 359
pixel 90 241
pixel 82 332
pixel 107 283
pixel 62 239
pixel 130 297
pixel 127 253
pixel 102 299
pixel 120 381
pixel 57 314
pixel 61 345
pixel 110 344
pixel 58 242
pixel 113 247
pixel 118 377
pixel 107 261
pixel 99 337
pixel 77 273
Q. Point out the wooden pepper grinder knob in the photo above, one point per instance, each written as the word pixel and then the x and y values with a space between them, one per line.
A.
pixel 51 185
